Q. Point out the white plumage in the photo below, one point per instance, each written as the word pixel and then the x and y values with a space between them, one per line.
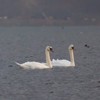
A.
pixel 64 62
pixel 38 65
pixel 32 65
pixel 60 62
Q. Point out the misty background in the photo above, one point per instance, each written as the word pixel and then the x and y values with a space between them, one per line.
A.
pixel 74 12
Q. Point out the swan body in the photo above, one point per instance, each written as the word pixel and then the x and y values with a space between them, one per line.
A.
pixel 38 65
pixel 61 62
pixel 32 65
pixel 64 62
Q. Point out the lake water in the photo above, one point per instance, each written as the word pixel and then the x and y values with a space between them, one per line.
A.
pixel 28 43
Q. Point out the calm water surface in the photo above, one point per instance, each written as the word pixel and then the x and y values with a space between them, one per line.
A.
pixel 28 43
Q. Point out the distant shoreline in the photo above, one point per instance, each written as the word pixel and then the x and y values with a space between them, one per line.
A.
pixel 44 22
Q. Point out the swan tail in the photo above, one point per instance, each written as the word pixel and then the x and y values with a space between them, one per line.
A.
pixel 24 66
pixel 18 63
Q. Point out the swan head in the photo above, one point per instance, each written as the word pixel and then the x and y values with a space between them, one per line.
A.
pixel 71 47
pixel 49 48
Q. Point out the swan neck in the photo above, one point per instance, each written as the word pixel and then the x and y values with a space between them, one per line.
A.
pixel 48 60
pixel 72 58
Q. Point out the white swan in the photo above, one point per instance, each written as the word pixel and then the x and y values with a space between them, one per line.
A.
pixel 65 62
pixel 38 65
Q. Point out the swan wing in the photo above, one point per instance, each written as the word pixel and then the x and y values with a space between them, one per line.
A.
pixel 32 65
pixel 61 62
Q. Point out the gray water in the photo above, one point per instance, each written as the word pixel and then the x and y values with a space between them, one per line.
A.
pixel 28 43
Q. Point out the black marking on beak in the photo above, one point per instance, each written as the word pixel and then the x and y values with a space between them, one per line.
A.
pixel 51 50
pixel 73 48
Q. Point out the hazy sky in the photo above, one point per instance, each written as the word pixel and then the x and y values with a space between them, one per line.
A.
pixel 51 7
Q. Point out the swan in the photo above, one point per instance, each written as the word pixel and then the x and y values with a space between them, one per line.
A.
pixel 64 62
pixel 38 65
